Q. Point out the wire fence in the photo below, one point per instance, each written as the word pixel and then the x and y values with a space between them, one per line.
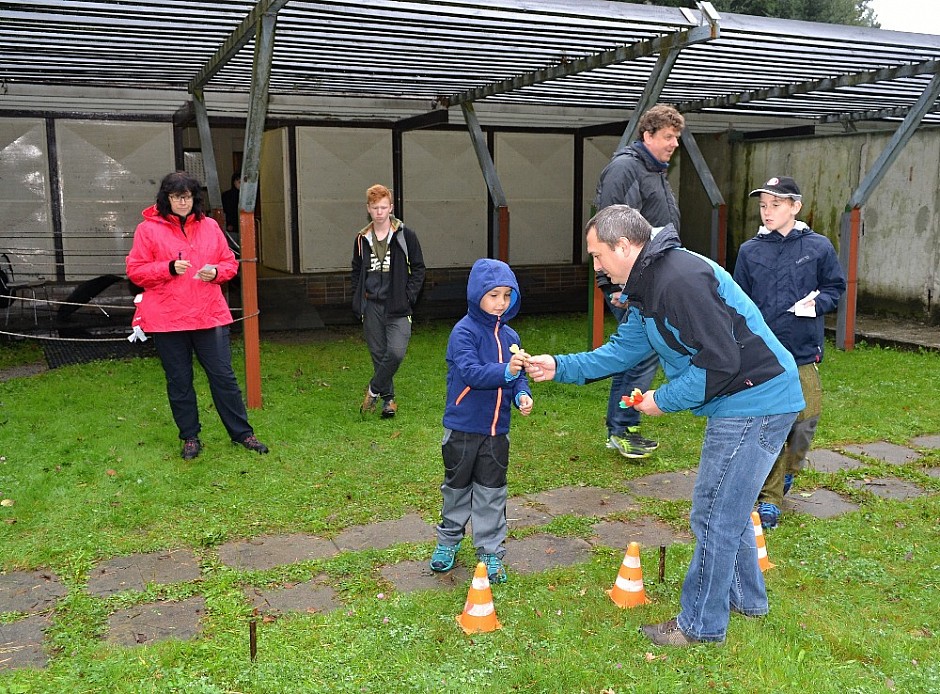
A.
pixel 94 308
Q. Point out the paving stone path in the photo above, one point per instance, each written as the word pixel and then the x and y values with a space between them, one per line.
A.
pixel 32 595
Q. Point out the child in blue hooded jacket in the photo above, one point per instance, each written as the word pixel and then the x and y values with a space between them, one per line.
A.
pixel 485 377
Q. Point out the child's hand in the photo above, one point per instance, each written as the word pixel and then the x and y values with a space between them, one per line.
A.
pixel 518 360
pixel 525 404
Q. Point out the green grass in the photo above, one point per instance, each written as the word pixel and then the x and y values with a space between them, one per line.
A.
pixel 89 455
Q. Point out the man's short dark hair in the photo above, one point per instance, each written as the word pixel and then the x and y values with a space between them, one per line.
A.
pixel 617 222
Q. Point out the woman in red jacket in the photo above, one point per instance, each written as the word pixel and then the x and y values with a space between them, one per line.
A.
pixel 181 258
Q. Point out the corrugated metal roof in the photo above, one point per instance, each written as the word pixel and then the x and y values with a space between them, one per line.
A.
pixel 353 58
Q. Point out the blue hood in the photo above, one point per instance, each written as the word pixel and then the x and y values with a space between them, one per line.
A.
pixel 485 275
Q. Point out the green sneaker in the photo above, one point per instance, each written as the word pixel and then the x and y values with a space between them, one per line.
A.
pixel 444 557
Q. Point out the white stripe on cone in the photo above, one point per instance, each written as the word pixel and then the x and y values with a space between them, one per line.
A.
pixel 479 610
pixel 631 562
pixel 629 585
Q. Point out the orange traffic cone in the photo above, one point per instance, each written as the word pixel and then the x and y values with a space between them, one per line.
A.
pixel 479 614
pixel 762 561
pixel 628 589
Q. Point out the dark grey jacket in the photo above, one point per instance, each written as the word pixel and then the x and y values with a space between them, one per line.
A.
pixel 634 177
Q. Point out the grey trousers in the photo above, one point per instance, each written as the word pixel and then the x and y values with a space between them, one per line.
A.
pixel 474 490
pixel 387 340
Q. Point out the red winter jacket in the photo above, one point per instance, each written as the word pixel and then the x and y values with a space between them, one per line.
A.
pixel 171 303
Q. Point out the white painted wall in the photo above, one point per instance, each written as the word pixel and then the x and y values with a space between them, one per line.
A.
pixel 445 197
pixel 109 173
pixel 25 204
pixel 335 167
pixel 537 174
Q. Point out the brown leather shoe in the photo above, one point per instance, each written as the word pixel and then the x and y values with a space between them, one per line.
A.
pixel 368 402
pixel 389 408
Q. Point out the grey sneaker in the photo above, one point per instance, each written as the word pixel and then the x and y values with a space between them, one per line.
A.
pixel 667 634
pixel 627 446
pixel 253 444
pixel 633 433
pixel 191 448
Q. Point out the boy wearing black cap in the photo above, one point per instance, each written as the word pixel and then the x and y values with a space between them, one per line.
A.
pixel 793 275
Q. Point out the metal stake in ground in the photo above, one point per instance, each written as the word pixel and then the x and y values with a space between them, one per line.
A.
pixel 252 639
pixel 662 563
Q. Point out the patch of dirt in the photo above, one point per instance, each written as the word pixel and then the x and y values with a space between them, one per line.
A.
pixel 23 370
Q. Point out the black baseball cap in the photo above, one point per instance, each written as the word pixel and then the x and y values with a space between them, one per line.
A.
pixel 782 187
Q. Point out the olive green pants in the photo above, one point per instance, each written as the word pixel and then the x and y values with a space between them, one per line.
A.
pixel 793 456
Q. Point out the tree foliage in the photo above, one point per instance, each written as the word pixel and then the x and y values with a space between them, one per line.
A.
pixel 850 12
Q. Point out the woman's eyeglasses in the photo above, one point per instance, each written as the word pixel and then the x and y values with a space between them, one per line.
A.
pixel 187 197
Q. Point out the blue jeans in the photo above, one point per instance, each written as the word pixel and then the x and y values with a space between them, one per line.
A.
pixel 737 454
pixel 619 419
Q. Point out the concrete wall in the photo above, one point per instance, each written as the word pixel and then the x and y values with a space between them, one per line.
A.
pixel 899 252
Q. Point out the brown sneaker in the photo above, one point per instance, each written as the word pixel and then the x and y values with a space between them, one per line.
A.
pixel 667 634
pixel 389 408
pixel 368 402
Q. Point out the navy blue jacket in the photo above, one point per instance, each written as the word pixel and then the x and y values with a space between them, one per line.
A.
pixel 479 398
pixel 776 271
pixel 719 356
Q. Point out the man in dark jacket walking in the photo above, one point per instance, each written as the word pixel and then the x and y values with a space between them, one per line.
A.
pixel 387 276
pixel 636 176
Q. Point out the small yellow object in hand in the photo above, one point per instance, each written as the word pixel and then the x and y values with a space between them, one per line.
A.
pixel 514 348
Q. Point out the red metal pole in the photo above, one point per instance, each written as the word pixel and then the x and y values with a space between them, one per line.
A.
pixel 855 225
pixel 504 234
pixel 722 258
pixel 249 271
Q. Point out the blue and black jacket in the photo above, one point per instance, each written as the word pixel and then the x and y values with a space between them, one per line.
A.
pixel 719 356
pixel 480 393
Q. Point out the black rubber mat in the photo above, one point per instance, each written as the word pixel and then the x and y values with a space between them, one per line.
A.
pixel 64 352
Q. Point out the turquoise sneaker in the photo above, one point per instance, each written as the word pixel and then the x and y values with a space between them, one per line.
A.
pixel 495 571
pixel 444 557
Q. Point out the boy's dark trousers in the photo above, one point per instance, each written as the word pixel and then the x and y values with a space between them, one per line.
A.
pixel 387 340
pixel 474 490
